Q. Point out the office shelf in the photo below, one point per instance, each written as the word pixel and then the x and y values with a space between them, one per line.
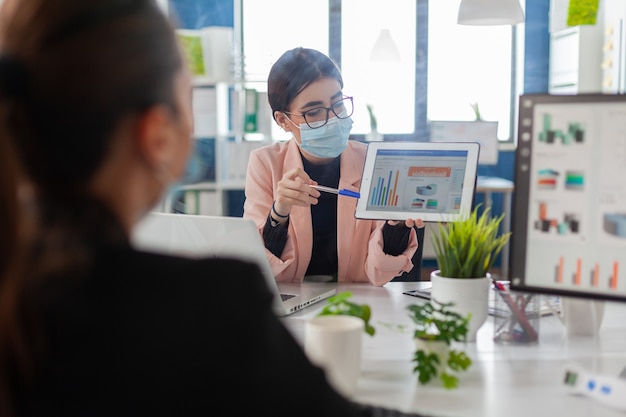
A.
pixel 221 150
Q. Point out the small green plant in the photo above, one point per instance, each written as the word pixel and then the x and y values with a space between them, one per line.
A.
pixel 438 323
pixel 477 115
pixel 373 120
pixel 338 304
pixel 469 247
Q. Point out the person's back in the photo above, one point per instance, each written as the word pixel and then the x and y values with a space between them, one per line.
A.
pixel 142 335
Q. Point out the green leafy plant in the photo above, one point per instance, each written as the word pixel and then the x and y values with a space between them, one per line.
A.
pixel 469 247
pixel 438 323
pixel 373 120
pixel 477 115
pixel 582 12
pixel 339 304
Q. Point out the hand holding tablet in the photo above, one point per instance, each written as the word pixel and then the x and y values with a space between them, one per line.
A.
pixel 432 181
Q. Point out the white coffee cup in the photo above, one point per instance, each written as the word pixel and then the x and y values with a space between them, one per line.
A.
pixel 582 317
pixel 334 344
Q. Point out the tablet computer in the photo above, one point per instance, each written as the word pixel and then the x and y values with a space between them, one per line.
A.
pixel 434 181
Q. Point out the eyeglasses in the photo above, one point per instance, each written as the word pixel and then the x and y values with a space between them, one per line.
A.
pixel 318 116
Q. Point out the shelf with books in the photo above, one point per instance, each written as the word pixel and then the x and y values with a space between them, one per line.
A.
pixel 215 177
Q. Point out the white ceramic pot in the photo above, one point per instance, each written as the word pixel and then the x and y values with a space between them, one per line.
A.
pixel 469 295
pixel 334 343
pixel 438 347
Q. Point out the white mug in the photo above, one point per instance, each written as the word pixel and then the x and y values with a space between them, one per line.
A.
pixel 582 317
pixel 334 344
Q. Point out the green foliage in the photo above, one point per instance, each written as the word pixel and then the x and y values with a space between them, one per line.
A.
pixel 438 322
pixel 469 247
pixel 582 12
pixel 338 304
pixel 449 381
pixel 425 365
pixel 192 48
pixel 459 361
pixel 373 120
pixel 477 114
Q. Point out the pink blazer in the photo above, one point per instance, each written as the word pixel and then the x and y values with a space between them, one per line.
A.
pixel 359 242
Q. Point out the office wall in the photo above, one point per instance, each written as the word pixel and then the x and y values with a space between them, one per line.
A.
pixel 196 14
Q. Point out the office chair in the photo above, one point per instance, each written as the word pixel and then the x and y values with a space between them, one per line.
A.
pixel 414 274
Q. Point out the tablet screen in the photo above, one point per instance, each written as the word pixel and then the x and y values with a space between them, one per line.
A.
pixel 432 181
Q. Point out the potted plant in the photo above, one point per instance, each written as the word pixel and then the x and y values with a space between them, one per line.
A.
pixel 465 251
pixel 339 304
pixel 437 326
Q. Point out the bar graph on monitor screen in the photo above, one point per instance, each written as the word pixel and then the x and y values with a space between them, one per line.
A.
pixel 570 203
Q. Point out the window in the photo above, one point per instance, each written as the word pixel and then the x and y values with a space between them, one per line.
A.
pixel 271 27
pixel 378 63
pixel 464 64
pixel 274 26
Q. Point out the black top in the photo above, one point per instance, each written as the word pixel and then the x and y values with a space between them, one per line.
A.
pixel 324 259
pixel 130 333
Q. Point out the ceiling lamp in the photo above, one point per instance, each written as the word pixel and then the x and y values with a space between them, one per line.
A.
pixel 385 48
pixel 490 12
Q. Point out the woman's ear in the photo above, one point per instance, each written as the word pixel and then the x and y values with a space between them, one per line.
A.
pixel 155 137
pixel 282 121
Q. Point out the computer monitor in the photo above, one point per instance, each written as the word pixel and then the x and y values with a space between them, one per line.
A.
pixel 569 210
pixel 483 132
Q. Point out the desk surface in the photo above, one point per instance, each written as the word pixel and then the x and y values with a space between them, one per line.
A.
pixel 503 380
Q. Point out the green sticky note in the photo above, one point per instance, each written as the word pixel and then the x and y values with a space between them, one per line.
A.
pixel 192 45
pixel 582 12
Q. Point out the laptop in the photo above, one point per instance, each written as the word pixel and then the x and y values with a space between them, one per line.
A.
pixel 194 235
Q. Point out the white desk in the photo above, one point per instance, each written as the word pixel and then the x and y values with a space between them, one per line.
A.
pixel 503 381
pixel 488 186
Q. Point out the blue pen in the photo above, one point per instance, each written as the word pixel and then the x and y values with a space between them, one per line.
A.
pixel 345 192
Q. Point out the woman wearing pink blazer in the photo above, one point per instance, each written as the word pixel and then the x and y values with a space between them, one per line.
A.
pixel 308 232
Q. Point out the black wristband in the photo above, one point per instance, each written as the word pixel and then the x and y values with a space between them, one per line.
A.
pixel 277 213
pixel 273 222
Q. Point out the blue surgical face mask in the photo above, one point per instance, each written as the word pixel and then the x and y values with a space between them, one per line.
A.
pixel 327 141
pixel 195 171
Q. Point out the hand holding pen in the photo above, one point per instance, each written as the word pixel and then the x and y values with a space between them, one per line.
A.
pixel 408 223
pixel 293 190
pixel 296 188
pixel 343 191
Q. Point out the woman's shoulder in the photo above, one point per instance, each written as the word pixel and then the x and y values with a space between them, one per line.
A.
pixel 273 148
pixel 157 267
pixel 357 146
pixel 276 154
pixel 356 150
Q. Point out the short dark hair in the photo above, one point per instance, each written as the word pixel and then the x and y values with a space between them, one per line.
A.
pixel 295 70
